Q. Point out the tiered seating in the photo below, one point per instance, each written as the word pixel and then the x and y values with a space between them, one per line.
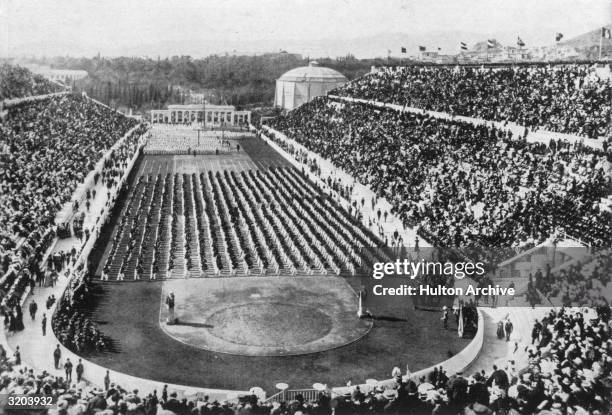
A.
pixel 460 184
pixel 562 98
pixel 251 222
pixel 18 82
pixel 585 282
pixel 48 145
pixel 13 284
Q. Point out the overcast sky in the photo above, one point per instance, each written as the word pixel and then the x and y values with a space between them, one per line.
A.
pixel 113 27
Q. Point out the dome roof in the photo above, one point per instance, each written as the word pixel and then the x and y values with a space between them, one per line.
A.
pixel 312 73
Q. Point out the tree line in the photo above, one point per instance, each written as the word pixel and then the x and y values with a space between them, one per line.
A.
pixel 143 83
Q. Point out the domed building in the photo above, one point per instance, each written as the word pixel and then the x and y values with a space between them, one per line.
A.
pixel 300 85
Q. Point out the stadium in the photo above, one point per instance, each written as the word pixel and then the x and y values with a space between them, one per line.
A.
pixel 174 250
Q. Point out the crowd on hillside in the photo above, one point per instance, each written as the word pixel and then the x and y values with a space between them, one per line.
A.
pixel 562 98
pixel 18 82
pixel 460 183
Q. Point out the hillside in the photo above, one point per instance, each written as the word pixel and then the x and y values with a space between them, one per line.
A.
pixel 587 40
pixel 588 43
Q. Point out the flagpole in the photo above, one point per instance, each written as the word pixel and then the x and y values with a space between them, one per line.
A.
pixel 600 42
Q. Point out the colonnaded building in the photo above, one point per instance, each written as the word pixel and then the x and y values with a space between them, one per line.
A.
pixel 194 113
pixel 300 85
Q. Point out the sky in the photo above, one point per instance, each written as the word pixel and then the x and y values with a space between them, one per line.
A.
pixel 201 27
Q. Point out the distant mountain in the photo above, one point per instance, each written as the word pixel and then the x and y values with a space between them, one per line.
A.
pixel 587 40
pixel 361 47
pixel 587 44
pixel 370 46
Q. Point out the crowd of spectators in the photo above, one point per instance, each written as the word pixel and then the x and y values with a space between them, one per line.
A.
pixel 562 98
pixel 71 323
pixel 47 147
pixel 50 146
pixel 584 282
pixel 461 183
pixel 18 82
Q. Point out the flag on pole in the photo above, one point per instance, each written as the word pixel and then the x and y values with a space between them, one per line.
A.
pixel 463 46
pixel 439 48
pixel 490 43
pixel 403 49
pixel 422 48
pixel 605 33
pixel 520 42
pixel 388 51
pixel 460 325
pixel 558 36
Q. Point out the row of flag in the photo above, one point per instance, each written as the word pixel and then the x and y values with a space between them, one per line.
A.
pixel 605 34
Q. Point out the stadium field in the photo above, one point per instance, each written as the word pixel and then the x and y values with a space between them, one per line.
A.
pixel 237 332
pixel 129 313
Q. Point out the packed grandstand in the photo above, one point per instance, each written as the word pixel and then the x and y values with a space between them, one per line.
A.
pixel 72 169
